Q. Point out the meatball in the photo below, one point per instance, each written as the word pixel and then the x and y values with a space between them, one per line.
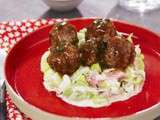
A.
pixel 94 40
pixel 64 59
pixel 88 53
pixel 98 28
pixel 119 52
pixel 63 32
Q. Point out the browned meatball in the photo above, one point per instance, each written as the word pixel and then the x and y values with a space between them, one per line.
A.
pixel 119 53
pixel 88 53
pixel 65 59
pixel 63 32
pixel 94 40
pixel 98 28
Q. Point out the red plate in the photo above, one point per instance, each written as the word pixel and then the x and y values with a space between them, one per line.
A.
pixel 23 74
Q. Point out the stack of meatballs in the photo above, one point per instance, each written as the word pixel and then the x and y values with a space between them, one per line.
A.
pixel 102 45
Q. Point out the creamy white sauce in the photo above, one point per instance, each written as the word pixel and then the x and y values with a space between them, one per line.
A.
pixel 88 95
pixel 54 82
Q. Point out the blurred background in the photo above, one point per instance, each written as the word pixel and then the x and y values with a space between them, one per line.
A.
pixel 134 11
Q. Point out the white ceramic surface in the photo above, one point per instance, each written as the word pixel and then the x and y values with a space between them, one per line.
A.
pixel 37 114
pixel 3 55
pixel 62 5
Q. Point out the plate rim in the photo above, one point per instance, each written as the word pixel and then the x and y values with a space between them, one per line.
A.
pixel 12 92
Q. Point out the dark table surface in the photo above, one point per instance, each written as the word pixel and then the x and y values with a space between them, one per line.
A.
pixel 24 9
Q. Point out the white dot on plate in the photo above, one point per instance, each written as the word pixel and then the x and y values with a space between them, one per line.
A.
pixel 44 21
pixel 15 28
pixel 16 112
pixel 30 29
pixel 2 26
pixel 50 22
pixel 1 41
pixel 5 44
pixel 24 34
pixel 6 48
pixel 6 38
pixel 2 31
pixel 18 23
pixel 10 110
pixel 37 23
pixel 17 34
pixel 18 117
pixel 7 103
pixel 11 35
pixel 11 45
pixel 28 24
pixel 59 20
pixel 18 38
pixel 13 41
pixel 10 115
pixel 8 29
pixel 23 28
pixel 35 28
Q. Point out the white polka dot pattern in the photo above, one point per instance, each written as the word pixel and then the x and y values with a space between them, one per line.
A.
pixel 13 31
pixel 10 33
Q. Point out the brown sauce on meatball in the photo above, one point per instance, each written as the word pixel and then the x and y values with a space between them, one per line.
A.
pixel 63 32
pixel 66 60
pixel 119 53
pixel 88 53
pixel 98 28
pixel 102 45
pixel 64 54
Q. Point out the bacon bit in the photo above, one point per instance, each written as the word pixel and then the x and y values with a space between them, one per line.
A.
pixel 112 74
pixel 108 74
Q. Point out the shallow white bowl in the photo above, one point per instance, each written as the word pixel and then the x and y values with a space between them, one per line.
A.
pixel 62 5
pixel 37 114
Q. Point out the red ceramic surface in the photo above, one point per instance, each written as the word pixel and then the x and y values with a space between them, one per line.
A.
pixel 22 71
